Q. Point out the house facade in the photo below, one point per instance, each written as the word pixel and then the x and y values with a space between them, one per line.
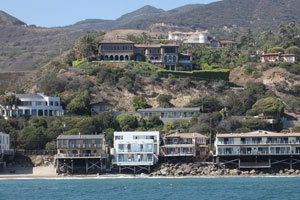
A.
pixel 34 105
pixel 166 55
pixel 135 151
pixel 116 50
pixel 188 146
pixel 278 57
pixel 220 44
pixel 168 115
pixel 4 142
pixel 258 149
pixel 87 152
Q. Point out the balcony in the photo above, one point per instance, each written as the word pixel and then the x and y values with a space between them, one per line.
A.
pixel 82 155
pixel 156 61
pixel 135 150
pixel 260 153
pixel 78 146
pixel 256 143
pixel 185 61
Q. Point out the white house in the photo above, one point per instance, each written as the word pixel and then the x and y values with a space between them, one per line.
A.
pixel 35 105
pixel 4 142
pixel 135 150
pixel 189 37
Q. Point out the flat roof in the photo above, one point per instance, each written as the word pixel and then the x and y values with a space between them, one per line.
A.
pixel 137 132
pixel 154 45
pixel 116 41
pixel 35 96
pixel 186 135
pixel 169 109
pixel 258 134
pixel 77 137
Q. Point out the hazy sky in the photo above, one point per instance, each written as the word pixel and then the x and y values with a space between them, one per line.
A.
pixel 49 13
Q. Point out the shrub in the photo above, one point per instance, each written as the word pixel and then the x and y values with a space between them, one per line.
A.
pixel 217 74
pixel 139 102
pixel 80 105
pixel 164 101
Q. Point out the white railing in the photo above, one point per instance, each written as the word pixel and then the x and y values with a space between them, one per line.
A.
pixel 254 143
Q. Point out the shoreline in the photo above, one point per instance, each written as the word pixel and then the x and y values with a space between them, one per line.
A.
pixel 129 176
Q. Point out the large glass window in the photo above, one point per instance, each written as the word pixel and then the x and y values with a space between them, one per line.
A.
pixel 170 50
pixel 154 51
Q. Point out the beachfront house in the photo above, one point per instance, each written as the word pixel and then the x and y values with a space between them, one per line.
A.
pixel 4 142
pixel 81 152
pixel 168 115
pixel 258 149
pixel 185 147
pixel 135 151
pixel 5 151
pixel 33 105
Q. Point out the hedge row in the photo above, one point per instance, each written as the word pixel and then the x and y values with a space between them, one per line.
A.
pixel 78 62
pixel 217 74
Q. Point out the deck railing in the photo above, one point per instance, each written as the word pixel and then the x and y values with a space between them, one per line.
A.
pixel 36 152
pixel 81 155
pixel 70 146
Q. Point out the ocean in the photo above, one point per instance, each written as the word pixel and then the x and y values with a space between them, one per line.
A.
pixel 232 188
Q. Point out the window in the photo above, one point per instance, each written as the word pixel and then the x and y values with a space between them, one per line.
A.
pixel 175 141
pixel 119 137
pixel 166 59
pixel 170 59
pixel 121 147
pixel 200 140
pixel 170 50
pixel 174 58
pixel 140 51
pixel 154 51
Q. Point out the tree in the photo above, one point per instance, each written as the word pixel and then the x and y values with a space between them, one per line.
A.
pixel 70 57
pixel 33 138
pixel 269 106
pixel 10 101
pixel 127 122
pixel 293 50
pixel 51 145
pixel 80 105
pixel 276 50
pixel 164 101
pixel 86 126
pixel 85 47
pixel 51 85
pixel 109 137
pixel 105 121
pixel 207 104
pixel 254 124
pixel 139 102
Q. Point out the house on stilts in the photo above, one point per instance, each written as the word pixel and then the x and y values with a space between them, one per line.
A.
pixel 135 151
pixel 189 147
pixel 81 154
pixel 258 149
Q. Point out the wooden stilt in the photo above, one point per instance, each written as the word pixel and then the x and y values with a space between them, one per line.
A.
pixel 86 166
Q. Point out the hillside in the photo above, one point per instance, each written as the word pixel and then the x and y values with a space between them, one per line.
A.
pixel 27 48
pixel 6 19
pixel 144 13
pixel 218 17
